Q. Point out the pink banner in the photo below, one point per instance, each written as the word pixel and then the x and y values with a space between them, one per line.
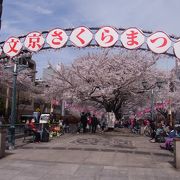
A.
pixel 156 107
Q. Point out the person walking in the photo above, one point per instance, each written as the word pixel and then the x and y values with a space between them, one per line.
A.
pixel 94 123
pixel 103 123
pixel 84 121
pixel 153 131
pixel 65 124
pixel 89 122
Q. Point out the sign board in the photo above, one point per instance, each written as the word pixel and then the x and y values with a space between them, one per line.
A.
pixel 132 38
pixel 12 46
pixel 81 37
pixel 56 38
pixel 159 42
pixel 110 116
pixel 44 118
pixel 107 36
pixel 34 41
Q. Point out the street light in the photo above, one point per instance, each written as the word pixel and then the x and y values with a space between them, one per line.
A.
pixel 16 69
pixel 147 87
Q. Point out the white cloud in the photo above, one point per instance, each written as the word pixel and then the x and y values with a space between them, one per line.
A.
pixel 34 6
pixel 153 15
pixel 42 10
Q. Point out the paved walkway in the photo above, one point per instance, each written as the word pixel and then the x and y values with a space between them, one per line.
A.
pixel 108 156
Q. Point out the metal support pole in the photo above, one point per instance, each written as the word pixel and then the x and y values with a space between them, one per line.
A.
pixel 152 105
pixel 51 110
pixel 170 113
pixel 7 100
pixel 62 107
pixel 13 111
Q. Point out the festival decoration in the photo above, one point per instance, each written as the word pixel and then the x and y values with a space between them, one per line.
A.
pixel 12 47
pixel 159 42
pixel 81 36
pixel 56 38
pixel 107 36
pixel 34 41
pixel 132 38
pixel 177 49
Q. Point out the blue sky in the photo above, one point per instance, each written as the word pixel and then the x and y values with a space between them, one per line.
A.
pixel 21 16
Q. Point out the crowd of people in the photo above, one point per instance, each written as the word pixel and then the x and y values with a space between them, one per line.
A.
pixel 164 133
pixel 86 124
pixel 159 131
pixel 89 123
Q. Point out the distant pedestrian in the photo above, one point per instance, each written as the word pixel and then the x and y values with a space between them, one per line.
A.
pixel 89 122
pixel 153 130
pixel 94 123
pixel 103 124
pixel 65 124
pixel 84 121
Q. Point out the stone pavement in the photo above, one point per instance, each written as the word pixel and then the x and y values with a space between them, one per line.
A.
pixel 108 156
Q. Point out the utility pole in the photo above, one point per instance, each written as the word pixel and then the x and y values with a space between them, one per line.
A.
pixel 170 113
pixel 16 69
pixel 7 100
pixel 13 109
pixel 1 8
pixel 152 105
pixel 152 88
pixel 62 107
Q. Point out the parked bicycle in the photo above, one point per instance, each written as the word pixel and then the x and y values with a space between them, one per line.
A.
pixel 148 130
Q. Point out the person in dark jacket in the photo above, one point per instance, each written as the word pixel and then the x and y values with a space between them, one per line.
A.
pixel 153 130
pixel 84 121
pixel 65 124
pixel 94 123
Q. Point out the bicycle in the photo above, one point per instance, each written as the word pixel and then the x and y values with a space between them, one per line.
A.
pixel 147 130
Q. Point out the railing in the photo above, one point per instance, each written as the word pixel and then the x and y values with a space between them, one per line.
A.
pixel 19 128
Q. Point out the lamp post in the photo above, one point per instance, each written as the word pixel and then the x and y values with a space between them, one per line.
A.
pixel 16 68
pixel 146 87
pixel 13 110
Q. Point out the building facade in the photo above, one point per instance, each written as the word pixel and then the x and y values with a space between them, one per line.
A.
pixel 24 99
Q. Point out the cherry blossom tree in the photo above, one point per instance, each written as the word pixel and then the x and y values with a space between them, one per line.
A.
pixel 108 79
pixel 170 94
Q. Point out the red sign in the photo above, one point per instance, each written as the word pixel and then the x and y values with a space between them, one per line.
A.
pixel 34 41
pixel 177 49
pixel 106 36
pixel 12 47
pixel 132 38
pixel 81 36
pixel 56 38
pixel 55 102
pixel 159 42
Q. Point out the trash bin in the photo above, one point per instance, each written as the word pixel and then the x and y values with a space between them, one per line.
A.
pixel 2 141
pixel 177 152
